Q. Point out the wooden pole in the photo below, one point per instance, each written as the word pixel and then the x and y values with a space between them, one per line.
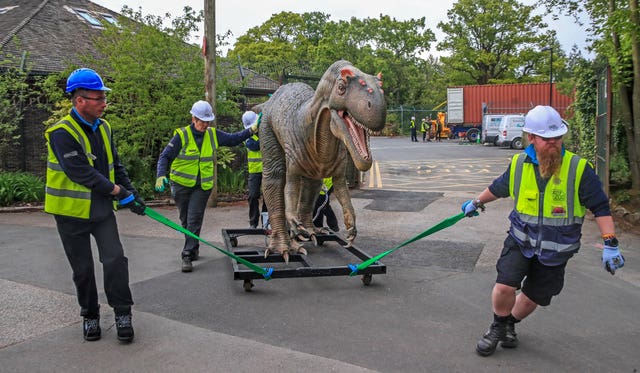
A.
pixel 209 51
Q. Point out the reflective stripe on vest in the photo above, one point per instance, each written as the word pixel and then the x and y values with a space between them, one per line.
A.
pixel 192 161
pixel 254 159
pixel 63 196
pixel 560 203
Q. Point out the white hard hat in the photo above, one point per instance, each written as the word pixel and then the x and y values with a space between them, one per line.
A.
pixel 544 121
pixel 248 118
pixel 202 110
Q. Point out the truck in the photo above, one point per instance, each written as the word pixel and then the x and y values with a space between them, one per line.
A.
pixel 468 105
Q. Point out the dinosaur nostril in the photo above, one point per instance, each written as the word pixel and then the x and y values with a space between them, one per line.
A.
pixel 369 104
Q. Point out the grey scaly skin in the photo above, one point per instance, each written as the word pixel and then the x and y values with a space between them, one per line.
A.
pixel 305 136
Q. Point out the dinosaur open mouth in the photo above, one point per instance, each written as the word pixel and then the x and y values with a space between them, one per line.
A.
pixel 359 134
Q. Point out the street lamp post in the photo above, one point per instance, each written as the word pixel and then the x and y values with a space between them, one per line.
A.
pixel 550 49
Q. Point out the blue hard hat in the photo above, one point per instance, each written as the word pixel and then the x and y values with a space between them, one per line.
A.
pixel 86 79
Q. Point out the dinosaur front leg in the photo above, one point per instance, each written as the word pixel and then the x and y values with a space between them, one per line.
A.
pixel 341 191
pixel 293 195
pixel 273 182
pixel 308 195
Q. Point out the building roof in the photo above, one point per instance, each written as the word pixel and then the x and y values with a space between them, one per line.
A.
pixel 51 32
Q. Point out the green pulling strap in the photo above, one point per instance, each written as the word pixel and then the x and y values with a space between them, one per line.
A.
pixel 440 226
pixel 266 272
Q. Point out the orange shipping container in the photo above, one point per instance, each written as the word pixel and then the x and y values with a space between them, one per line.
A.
pixel 502 99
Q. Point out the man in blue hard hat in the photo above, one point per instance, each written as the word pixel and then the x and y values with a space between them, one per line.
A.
pixel 188 159
pixel 85 182
pixel 552 188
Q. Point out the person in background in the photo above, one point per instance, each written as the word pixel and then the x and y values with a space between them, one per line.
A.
pixel 189 159
pixel 552 188
pixel 84 177
pixel 412 127
pixel 323 208
pixel 254 167
pixel 424 129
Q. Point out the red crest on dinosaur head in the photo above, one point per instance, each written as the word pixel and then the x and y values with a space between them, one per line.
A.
pixel 346 72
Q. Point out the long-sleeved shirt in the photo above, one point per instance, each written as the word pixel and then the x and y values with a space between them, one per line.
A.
pixel 253 145
pixel 172 149
pixel 78 169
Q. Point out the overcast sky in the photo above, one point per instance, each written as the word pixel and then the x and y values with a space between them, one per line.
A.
pixel 239 16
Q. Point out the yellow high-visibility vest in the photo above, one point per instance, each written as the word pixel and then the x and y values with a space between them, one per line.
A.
pixel 191 160
pixel 254 159
pixel 63 196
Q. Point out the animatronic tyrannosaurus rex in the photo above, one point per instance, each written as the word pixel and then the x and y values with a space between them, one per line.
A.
pixel 305 136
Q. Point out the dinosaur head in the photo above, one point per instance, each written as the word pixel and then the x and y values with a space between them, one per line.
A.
pixel 357 107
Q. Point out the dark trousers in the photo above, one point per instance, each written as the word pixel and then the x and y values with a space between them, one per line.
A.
pixel 191 203
pixel 414 135
pixel 255 184
pixel 76 240
pixel 320 212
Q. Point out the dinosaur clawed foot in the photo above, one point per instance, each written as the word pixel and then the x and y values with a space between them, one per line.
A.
pixel 295 248
pixel 351 236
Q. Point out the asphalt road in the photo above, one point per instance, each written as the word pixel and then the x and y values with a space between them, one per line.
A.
pixel 424 315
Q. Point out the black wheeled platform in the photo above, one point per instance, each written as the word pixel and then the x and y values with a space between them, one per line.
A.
pixel 299 265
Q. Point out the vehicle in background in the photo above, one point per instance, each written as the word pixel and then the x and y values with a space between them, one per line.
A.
pixel 510 132
pixel 468 104
pixel 491 128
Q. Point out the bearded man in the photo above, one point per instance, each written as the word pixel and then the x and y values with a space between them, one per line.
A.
pixel 552 188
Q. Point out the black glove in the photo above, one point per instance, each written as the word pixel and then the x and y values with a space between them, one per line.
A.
pixel 130 201
pixel 138 205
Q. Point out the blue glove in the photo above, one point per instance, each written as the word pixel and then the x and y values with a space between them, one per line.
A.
pixel 611 258
pixel 470 209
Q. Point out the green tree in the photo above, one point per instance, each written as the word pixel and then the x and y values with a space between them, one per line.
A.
pixel 381 44
pixel 13 84
pixel 614 26
pixel 492 40
pixel 18 93
pixel 284 39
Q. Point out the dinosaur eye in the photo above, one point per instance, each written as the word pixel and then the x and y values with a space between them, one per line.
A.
pixel 342 87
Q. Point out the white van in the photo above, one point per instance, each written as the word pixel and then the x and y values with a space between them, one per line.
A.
pixel 510 132
pixel 491 127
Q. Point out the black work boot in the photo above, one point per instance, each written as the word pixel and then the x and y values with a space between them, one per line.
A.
pixel 187 266
pixel 91 328
pixel 489 341
pixel 510 339
pixel 124 328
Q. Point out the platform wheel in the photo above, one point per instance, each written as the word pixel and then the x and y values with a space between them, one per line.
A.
pixel 234 241
pixel 366 279
pixel 247 285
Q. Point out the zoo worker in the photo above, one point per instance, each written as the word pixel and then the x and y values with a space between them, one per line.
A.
pixel 412 127
pixel 551 188
pixel 189 159
pixel 254 167
pixel 84 176
pixel 423 129
pixel 323 208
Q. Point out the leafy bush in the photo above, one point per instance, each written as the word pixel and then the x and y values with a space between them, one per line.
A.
pixel 620 174
pixel 230 181
pixel 20 187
